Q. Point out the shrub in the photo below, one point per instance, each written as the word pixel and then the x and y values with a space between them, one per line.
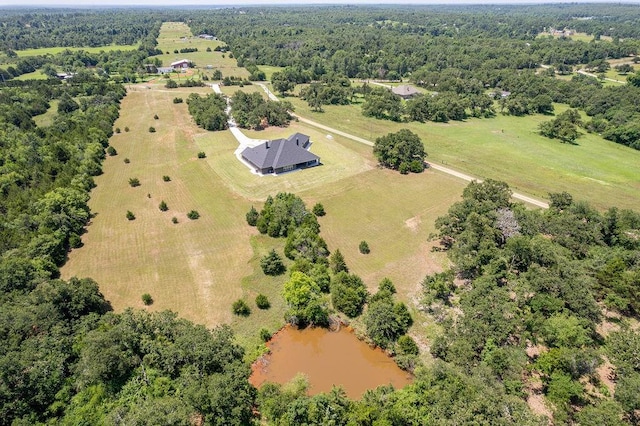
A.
pixel 272 264
pixel 208 49
pixel 262 302
pixel 201 154
pixel 318 210
pixel 147 299
pixel 416 166
pixel 252 216
pixel 163 206
pixel 133 182
pixel 265 335
pixel 171 84
pixel 364 247
pixel 407 346
pixel 126 129
pixel 174 220
pixel 177 100
pixel 241 308
pixel 152 129
pixel 155 117
pixel 111 151
pixel 166 178
pixel 127 161
pixel 117 129
pixel 193 215
pixel 130 215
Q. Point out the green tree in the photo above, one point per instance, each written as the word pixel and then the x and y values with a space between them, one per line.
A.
pixel 272 264
pixel 364 247
pixel 396 149
pixel 318 209
pixel 163 206
pixel 262 302
pixel 348 293
pixel 304 298
pixel 337 262
pixel 252 216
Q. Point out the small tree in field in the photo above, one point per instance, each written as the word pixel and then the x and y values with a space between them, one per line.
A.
pixel 111 151
pixel 127 161
pixel 130 215
pixel 272 264
pixel 318 210
pixel 193 215
pixel 155 117
pixel 147 299
pixel 152 129
pixel 364 247
pixel 241 308
pixel 252 216
pixel 126 129
pixel 202 154
pixel 166 178
pixel 117 129
pixel 174 220
pixel 163 206
pixel 262 302
pixel 133 182
pixel 265 335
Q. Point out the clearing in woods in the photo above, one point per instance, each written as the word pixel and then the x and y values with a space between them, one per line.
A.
pixel 198 268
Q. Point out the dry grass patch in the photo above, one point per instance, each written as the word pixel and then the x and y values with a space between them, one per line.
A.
pixel 177 35
pixel 192 267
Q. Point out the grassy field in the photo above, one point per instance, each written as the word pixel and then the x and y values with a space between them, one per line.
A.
pixel 596 170
pixel 56 50
pixel 177 35
pixel 36 75
pixel 46 119
pixel 198 268
pixel 269 70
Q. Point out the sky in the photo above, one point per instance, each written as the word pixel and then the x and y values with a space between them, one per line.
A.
pixel 66 3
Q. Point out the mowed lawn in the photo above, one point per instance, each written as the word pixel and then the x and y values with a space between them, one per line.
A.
pixel 177 35
pixel 510 149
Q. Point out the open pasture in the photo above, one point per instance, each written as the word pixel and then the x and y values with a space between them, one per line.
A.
pixel 56 50
pixel 509 148
pixel 177 35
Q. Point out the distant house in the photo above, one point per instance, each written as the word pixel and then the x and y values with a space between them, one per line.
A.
pixel 281 155
pixel 182 63
pixel 207 37
pixel 405 91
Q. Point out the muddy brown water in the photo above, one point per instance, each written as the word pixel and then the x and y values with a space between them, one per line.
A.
pixel 327 358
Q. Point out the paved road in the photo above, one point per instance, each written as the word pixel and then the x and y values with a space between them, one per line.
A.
pixel 434 166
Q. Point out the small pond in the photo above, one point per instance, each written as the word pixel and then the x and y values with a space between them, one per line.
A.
pixel 327 358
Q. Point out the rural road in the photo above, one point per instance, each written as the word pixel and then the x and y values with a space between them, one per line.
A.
pixel 434 166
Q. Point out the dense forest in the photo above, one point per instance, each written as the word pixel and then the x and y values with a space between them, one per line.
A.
pixel 522 311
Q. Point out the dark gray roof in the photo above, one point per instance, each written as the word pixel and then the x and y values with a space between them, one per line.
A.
pixel 280 153
pixel 302 139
